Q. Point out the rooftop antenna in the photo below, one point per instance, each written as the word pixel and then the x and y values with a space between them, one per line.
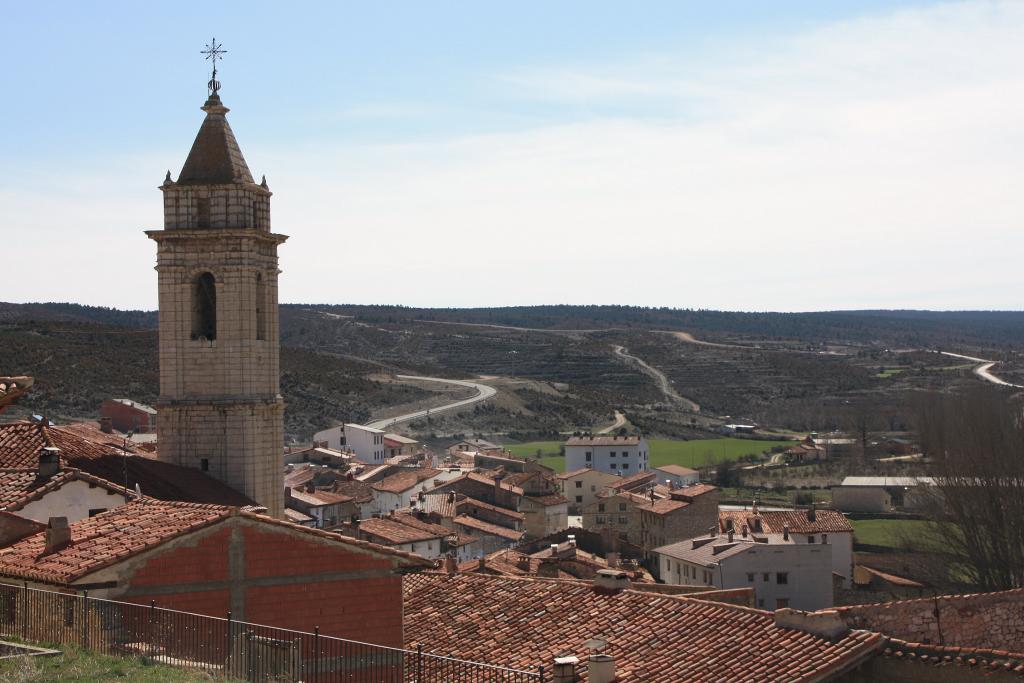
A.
pixel 213 52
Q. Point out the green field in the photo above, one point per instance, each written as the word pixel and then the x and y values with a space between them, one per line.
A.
pixel 696 454
pixel 887 533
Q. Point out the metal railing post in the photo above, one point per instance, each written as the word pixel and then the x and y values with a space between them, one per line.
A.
pixel 149 628
pixel 24 612
pixel 85 620
pixel 419 662
pixel 316 652
pixel 541 673
pixel 227 646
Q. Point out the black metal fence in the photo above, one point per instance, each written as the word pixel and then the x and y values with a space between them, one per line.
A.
pixel 227 647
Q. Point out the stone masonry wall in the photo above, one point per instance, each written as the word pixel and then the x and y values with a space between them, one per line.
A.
pixel 985 620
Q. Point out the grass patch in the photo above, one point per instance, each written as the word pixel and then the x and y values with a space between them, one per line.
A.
pixel 888 533
pixel 89 667
pixel 695 454
pixel 889 372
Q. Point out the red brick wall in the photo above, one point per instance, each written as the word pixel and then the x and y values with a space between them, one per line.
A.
pixel 125 418
pixel 367 607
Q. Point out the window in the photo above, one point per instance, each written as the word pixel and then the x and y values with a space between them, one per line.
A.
pixel 261 323
pixel 612 454
pixel 600 507
pixel 204 464
pixel 579 484
pixel 623 520
pixel 781 602
pixel 760 602
pixel 593 488
pixel 202 212
pixel 765 577
pixel 579 499
pixel 625 465
pixel 204 307
pixel 622 507
pixel 811 539
pixel 750 577
pixel 588 456
pixel 782 578
pixel 95 511
pixel 600 519
pixel 824 538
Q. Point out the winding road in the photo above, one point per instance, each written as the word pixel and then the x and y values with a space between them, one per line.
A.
pixel 663 382
pixel 484 392
pixel 620 420
pixel 983 369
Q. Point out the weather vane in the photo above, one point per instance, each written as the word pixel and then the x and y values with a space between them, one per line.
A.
pixel 213 53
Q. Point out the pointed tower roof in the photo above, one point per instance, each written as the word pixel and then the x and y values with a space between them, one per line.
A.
pixel 215 157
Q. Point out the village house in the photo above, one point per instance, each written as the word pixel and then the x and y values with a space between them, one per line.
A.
pixel 406 532
pixel 212 559
pixel 676 476
pixel 615 513
pixel 396 444
pixel 400 490
pixel 805 451
pixel 50 491
pixel 581 487
pixel 678 514
pixel 805 526
pixel 623 455
pixel 473 446
pixel 782 573
pixel 882 494
pixel 126 415
pixel 492 537
pixel 326 508
pixel 366 442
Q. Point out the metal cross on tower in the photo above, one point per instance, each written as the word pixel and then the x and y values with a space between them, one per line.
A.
pixel 213 53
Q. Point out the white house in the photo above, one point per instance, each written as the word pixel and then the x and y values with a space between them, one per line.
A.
pixel 677 476
pixel 808 526
pixel 580 487
pixel 366 442
pixel 782 571
pixel 624 455
pixel 49 491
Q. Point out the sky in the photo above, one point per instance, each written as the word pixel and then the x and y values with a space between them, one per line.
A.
pixel 740 155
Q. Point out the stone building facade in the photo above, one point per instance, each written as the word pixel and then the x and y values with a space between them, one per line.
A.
pixel 220 405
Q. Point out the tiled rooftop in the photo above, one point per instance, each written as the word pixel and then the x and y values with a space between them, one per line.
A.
pixel 18 487
pixel 109 537
pixel 774 521
pixel 482 527
pixel 396 531
pixel 654 638
pixel 404 480
pixel 90 450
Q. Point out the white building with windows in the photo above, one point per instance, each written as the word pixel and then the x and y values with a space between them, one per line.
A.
pixel 620 455
pixel 782 571
pixel 366 442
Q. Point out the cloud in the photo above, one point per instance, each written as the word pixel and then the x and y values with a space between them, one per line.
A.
pixel 864 163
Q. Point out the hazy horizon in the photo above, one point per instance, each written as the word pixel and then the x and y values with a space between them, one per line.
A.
pixel 756 157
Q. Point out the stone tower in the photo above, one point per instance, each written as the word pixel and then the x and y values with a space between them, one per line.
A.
pixel 220 406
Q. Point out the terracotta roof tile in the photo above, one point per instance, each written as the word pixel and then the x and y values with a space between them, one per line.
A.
pixel 654 638
pixel 394 531
pixel 401 482
pixel 109 537
pixel 603 441
pixel 482 527
pixel 773 521
pixel 19 487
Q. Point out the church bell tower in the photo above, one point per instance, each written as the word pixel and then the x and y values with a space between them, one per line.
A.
pixel 220 407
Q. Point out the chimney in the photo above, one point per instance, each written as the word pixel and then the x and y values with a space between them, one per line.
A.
pixel 601 668
pixel 49 462
pixel 744 531
pixel 825 623
pixel 564 670
pixel 612 559
pixel 450 565
pixel 482 564
pixel 106 425
pixel 287 495
pixel 812 513
pixel 58 535
pixel 785 532
pixel 548 569
pixel 730 534
pixel 610 582
pixel 754 507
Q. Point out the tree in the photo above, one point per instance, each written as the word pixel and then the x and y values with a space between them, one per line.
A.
pixel 976 444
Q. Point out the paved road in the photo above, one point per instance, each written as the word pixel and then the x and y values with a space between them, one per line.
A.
pixel 983 369
pixel 663 382
pixel 484 392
